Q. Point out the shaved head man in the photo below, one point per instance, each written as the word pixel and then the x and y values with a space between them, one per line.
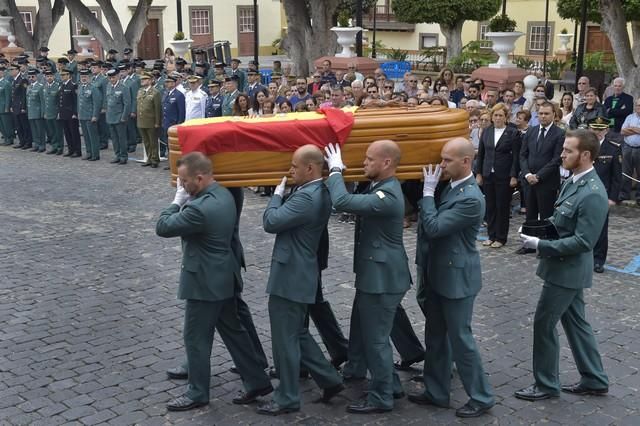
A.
pixel 381 160
pixel 457 159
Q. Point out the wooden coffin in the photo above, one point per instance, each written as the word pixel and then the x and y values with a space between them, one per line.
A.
pixel 420 132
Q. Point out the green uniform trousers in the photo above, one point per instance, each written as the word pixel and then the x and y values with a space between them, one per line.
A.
pixel 7 128
pixel 119 140
pixel 566 305
pixel 372 317
pixel 449 338
pixel 103 131
pixel 91 138
pixel 150 141
pixel 132 133
pixel 293 347
pixel 38 135
pixel 54 134
pixel 201 318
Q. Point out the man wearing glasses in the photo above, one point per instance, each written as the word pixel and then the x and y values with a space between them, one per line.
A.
pixel 444 93
pixel 583 85
pixel 411 86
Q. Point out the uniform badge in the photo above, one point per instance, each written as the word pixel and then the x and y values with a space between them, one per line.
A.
pixel 380 194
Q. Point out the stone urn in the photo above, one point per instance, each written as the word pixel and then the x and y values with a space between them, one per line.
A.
pixel 565 39
pixel 503 45
pixel 346 39
pixel 180 47
pixel 5 25
pixel 84 42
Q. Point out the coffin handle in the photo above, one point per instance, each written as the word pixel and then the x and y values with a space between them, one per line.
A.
pixel 402 135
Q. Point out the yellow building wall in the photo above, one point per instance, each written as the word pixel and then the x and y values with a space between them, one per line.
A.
pixel 406 40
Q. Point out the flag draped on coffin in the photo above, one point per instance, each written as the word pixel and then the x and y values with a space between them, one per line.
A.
pixel 280 133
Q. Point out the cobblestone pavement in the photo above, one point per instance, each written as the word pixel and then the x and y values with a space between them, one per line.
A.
pixel 89 319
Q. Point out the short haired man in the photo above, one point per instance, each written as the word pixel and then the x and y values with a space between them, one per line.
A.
pixel 149 119
pixel 583 85
pixel 195 100
pixel 298 224
pixel 90 103
pixel 619 105
pixel 380 265
pixel 452 268
pixel 35 111
pixel 566 266
pixel 301 93
pixel 231 93
pixel 630 151
pixel 118 111
pixel 203 214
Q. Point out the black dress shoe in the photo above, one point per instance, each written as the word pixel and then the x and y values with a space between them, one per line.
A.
pixel 183 403
pixel 123 161
pixel 154 165
pixel 328 393
pixel 406 365
pixel 363 407
pixel 25 147
pixel 234 370
pixel 86 157
pixel 533 393
pixel 523 250
pixel 18 146
pixel 252 396
pixel 178 373
pixel 34 149
pixel 421 399
pixel 598 268
pixel 578 389
pixel 469 410
pixel 60 152
pixel 167 168
pixel 42 150
pixel 272 408
pixel 76 155
pixel 349 378
pixel 115 161
pixel 131 149
pixel 145 164
pixel 94 158
pixel 337 362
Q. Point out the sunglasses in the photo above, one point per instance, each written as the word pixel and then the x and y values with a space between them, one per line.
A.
pixel 413 81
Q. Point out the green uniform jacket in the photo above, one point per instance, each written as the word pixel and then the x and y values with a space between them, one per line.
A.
pixel 101 82
pixel 35 101
pixel 379 260
pixel 118 103
pixel 579 216
pixel 451 230
pixel 73 67
pixel 5 95
pixel 89 101
pixel 298 223
pixel 133 83
pixel 206 226
pixel 149 108
pixel 51 100
pixel 227 103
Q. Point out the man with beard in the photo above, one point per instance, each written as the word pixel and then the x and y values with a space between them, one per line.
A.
pixel 301 94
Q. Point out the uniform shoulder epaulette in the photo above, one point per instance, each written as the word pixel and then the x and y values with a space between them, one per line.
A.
pixel 616 144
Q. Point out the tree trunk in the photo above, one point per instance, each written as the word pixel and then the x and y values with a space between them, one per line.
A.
pixel 137 24
pixel 295 41
pixel 453 37
pixel 23 38
pixel 321 41
pixel 614 25
pixel 635 37
pixel 46 20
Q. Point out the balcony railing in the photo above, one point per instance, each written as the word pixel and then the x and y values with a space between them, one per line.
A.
pixel 386 20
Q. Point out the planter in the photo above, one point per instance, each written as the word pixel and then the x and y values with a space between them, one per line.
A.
pixel 503 45
pixel 564 41
pixel 84 42
pixel 5 25
pixel 180 47
pixel 346 39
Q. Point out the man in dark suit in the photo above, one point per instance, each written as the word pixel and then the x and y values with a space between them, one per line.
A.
pixel 203 214
pixel 381 268
pixel 453 281
pixel 566 266
pixel 298 224
pixel 172 109
pixel 68 114
pixel 539 163
pixel 619 105
pixel 608 165
pixel 19 107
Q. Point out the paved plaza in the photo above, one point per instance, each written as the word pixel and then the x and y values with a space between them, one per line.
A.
pixel 89 319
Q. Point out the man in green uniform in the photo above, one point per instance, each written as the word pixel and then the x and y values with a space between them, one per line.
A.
pixel 231 93
pixel 118 108
pixel 149 119
pixel 298 224
pixel 99 80
pixel 451 281
pixel 51 109
pixel 131 80
pixel 382 271
pixel 566 266
pixel 6 119
pixel 72 65
pixel 35 111
pixel 89 106
pixel 203 214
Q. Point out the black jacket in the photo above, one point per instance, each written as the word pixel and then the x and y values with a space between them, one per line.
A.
pixel 608 165
pixel 19 95
pixel 68 101
pixel 502 157
pixel 623 108
pixel 543 160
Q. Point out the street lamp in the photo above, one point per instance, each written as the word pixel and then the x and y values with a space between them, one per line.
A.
pixel 546 40
pixel 256 46
pixel 179 9
pixel 359 24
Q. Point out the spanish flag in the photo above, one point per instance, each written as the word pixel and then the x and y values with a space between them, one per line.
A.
pixel 281 132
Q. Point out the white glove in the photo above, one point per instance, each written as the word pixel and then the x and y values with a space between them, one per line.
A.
pixel 529 242
pixel 281 187
pixel 182 196
pixel 334 156
pixel 431 179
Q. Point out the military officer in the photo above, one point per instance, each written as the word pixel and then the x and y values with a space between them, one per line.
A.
pixel 44 53
pixel 381 268
pixel 608 166
pixel 231 93
pixel 35 111
pixel 132 81
pixel 566 266
pixel 219 72
pixel 254 85
pixel 214 100
pixel 89 105
pixel 180 65
pixel 208 280
pixel 126 54
pixel 51 110
pixel 454 279
pixel 172 109
pixel 72 66
pixel 6 120
pixel 112 58
pixel 68 114
pixel 200 72
pixel 298 224
pixel 242 76
pixel 149 119
pixel 19 107
pixel 99 80
pixel 195 99
pixel 118 113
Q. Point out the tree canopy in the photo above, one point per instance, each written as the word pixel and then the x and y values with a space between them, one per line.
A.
pixel 572 9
